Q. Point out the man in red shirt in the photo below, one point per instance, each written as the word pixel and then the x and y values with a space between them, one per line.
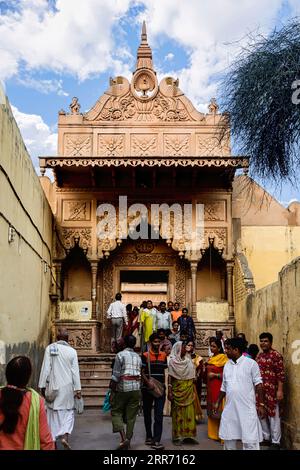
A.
pixel 272 371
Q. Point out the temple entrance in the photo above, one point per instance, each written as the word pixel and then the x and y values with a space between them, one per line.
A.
pixel 138 285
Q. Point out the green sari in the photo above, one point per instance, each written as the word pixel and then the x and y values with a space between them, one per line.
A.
pixel 183 410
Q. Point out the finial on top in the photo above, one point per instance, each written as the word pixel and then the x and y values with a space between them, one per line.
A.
pixel 144 32
pixel 144 53
pixel 213 106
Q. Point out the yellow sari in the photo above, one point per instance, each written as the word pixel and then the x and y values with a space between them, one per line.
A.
pixel 215 364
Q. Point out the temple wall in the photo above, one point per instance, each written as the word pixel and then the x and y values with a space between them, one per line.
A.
pixel 275 308
pixel 24 284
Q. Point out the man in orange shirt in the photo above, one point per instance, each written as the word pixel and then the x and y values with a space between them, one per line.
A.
pixel 158 365
pixel 176 313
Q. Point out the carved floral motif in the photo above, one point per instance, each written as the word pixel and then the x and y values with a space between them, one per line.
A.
pixel 81 339
pixel 71 236
pixel 111 145
pixel 76 210
pixel 78 145
pixel 143 145
pixel 149 162
pixel 212 146
pixel 177 145
pixel 128 107
pixel 214 210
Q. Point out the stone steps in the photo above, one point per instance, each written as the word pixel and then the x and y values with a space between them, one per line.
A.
pixel 95 375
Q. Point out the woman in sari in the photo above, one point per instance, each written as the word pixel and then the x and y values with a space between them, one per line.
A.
pixel 133 326
pixel 213 377
pixel 181 394
pixel 198 364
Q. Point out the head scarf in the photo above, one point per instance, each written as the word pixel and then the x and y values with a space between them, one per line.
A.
pixel 181 368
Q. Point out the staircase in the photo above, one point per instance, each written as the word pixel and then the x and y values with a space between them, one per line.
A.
pixel 95 375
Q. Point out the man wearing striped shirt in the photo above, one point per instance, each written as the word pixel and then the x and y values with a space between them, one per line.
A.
pixel 125 388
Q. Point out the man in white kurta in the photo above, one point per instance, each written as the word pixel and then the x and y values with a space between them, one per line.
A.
pixel 60 369
pixel 241 379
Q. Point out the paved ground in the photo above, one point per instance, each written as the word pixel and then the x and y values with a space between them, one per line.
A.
pixel 93 431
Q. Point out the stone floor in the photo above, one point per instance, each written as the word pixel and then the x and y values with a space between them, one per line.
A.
pixel 93 431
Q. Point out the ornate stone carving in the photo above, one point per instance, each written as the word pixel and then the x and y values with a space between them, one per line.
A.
pixel 214 210
pixel 219 235
pixel 81 339
pixel 177 145
pixel 143 259
pixel 76 210
pixel 212 146
pixel 144 246
pixel 71 237
pixel 78 145
pixel 149 162
pixel 111 145
pixel 155 109
pixel 143 145
pixel 180 277
pixel 108 284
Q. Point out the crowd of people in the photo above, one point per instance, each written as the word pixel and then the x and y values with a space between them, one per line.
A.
pixel 156 366
pixel 159 366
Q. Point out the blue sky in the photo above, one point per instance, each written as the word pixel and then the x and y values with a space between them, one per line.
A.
pixel 53 50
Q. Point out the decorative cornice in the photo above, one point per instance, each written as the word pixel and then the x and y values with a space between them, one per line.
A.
pixel 217 162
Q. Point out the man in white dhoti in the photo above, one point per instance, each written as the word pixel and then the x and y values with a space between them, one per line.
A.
pixel 241 379
pixel 59 383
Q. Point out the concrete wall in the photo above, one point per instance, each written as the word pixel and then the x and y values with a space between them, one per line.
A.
pixel 276 308
pixel 24 284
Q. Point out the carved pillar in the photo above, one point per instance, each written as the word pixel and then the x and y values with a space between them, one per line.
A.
pixel 58 287
pixel 194 265
pixel 223 285
pixel 94 268
pixel 229 271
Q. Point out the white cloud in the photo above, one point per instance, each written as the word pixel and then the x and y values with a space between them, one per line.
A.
pixel 44 86
pixel 169 56
pixel 210 32
pixel 86 37
pixel 38 137
pixel 76 37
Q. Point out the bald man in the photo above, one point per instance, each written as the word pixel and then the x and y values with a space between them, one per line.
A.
pixel 60 374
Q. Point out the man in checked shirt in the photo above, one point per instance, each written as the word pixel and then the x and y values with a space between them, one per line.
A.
pixel 125 388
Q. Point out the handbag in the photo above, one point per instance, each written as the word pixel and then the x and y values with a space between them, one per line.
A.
pixel 158 389
pixel 51 391
pixel 79 405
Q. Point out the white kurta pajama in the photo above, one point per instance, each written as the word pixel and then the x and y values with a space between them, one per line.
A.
pixel 61 362
pixel 239 420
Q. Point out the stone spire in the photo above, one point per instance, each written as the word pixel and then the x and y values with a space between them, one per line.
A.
pixel 144 53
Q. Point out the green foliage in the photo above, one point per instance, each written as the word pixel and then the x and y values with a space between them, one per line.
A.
pixel 258 96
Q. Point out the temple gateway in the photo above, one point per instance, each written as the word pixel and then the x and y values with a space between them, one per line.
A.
pixel 146 141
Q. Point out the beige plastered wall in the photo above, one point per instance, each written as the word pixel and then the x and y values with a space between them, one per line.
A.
pixel 265 231
pixel 276 308
pixel 24 284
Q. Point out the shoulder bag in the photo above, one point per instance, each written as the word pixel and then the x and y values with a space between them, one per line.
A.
pixel 158 388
